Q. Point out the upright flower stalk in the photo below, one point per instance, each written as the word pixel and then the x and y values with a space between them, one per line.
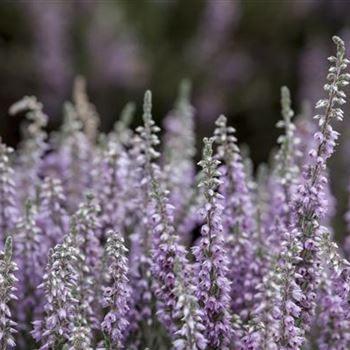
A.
pixel 52 215
pixel 238 220
pixel 289 334
pixel 190 335
pixel 165 246
pixel 211 265
pixel 8 207
pixel 75 156
pixel 86 111
pixel 116 296
pixel 33 146
pixel 122 133
pixel 142 154
pixel 29 248
pixel 89 265
pixel 334 306
pixel 7 294
pixel 111 186
pixel 310 206
pixel 179 149
pixel 60 286
pixel 286 170
pixel 280 293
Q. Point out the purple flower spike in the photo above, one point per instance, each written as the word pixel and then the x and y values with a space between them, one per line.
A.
pixel 211 266
pixel 8 208
pixel 60 285
pixel 7 294
pixel 309 204
pixel 30 254
pixel 116 297
pixel 179 150
pixel 33 146
pixel 52 215
pixel 238 220
pixel 190 336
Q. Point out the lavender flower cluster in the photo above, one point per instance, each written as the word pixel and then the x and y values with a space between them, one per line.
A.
pixel 99 241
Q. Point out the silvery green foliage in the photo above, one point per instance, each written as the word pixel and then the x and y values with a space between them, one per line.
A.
pixel 7 294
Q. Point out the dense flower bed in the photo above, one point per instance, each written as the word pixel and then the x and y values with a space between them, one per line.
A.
pixel 99 239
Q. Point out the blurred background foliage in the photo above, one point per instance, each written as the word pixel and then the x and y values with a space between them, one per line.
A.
pixel 237 54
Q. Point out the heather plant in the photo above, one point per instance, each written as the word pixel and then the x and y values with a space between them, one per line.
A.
pixel 309 203
pixel 30 157
pixel 211 259
pixel 121 243
pixel 116 296
pixel 7 293
pixel 8 207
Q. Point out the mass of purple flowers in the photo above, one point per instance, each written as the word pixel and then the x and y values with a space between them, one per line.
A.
pixel 119 241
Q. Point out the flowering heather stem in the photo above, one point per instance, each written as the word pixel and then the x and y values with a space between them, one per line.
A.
pixel 334 319
pixel 52 214
pixel 60 286
pixel 80 339
pixel 86 111
pixel 89 264
pixel 189 336
pixel 8 208
pixel 334 316
pixel 165 246
pixel 179 149
pixel 289 334
pixel 237 219
pixel 286 169
pixel 117 296
pixel 309 205
pixel 29 254
pixel 111 186
pixel 213 287
pixel 7 290
pixel 142 154
pixel 75 155
pixel 33 146
pixel 165 249
pixel 121 131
